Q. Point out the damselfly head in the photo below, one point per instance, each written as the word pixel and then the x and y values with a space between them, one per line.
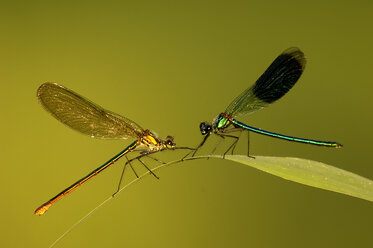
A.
pixel 169 142
pixel 205 128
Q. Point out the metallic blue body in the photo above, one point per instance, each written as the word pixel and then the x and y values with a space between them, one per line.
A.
pixel 285 137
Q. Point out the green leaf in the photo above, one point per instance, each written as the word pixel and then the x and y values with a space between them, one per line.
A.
pixel 312 173
pixel 298 170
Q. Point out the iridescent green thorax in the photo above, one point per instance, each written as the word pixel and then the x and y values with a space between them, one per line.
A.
pixel 221 121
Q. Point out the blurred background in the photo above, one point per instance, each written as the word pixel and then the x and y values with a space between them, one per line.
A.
pixel 168 66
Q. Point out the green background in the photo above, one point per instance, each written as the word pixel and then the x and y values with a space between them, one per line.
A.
pixel 168 65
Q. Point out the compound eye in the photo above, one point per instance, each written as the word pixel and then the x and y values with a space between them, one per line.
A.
pixel 170 142
pixel 205 128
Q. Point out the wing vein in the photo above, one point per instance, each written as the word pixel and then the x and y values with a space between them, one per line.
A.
pixel 83 115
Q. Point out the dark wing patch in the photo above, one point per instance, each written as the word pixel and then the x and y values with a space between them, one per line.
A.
pixel 280 76
pixel 275 82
